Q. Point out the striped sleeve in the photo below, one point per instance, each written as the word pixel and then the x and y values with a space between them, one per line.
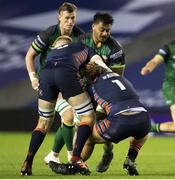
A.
pixel 38 45
pixel 164 52
pixel 42 40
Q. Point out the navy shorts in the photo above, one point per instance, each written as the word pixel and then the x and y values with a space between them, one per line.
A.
pixel 59 79
pixel 124 126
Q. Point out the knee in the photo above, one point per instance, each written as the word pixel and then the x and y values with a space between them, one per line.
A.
pixel 68 116
pixel 88 119
pixel 46 114
pixel 65 111
pixel 44 124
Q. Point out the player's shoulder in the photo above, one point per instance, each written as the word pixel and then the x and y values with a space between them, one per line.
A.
pixel 50 30
pixel 113 41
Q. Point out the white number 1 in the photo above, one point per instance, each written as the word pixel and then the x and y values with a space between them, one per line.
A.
pixel 121 86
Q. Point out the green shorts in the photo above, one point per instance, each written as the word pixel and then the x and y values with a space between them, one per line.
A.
pixel 169 92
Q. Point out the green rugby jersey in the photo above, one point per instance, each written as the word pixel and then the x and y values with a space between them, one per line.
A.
pixel 44 40
pixel 168 87
pixel 111 51
pixel 168 54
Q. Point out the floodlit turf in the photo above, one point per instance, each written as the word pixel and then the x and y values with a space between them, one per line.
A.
pixel 156 159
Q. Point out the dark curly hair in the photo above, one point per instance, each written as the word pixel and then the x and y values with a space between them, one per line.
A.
pixel 92 70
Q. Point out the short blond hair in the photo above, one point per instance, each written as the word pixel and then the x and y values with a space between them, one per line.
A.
pixel 64 37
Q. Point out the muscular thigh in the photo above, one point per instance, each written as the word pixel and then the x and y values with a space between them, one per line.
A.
pixel 48 90
pixel 46 113
pixel 69 83
pixel 83 107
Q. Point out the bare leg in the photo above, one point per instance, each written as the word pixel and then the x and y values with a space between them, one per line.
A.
pixel 169 126
pixel 166 126
pixel 87 149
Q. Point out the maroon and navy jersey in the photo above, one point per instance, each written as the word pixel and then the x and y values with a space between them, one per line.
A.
pixel 73 55
pixel 114 93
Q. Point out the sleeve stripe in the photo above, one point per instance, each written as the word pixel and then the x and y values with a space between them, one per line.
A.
pixel 39 39
pixel 38 44
pixel 118 65
pixel 160 57
pixel 36 47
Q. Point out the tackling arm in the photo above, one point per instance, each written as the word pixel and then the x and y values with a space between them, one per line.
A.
pixel 98 60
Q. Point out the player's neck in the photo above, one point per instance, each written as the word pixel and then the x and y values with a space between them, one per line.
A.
pixel 65 32
pixel 97 43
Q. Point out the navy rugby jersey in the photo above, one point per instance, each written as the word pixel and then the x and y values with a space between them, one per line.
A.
pixel 73 55
pixel 114 93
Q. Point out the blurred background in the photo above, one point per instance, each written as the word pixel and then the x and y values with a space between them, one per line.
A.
pixel 140 26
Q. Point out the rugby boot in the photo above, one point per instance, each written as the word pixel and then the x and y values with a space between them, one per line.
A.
pixel 82 167
pixel 26 169
pixel 62 168
pixel 104 163
pixel 130 166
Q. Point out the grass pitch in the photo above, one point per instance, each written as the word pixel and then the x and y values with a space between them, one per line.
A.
pixel 155 161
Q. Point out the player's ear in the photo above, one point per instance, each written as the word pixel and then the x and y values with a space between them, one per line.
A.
pixel 58 17
pixel 92 26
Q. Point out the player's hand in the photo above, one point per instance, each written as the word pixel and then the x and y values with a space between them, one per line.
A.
pixel 35 84
pixel 34 81
pixel 145 71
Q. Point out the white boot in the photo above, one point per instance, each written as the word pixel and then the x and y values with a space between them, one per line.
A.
pixel 69 155
pixel 51 157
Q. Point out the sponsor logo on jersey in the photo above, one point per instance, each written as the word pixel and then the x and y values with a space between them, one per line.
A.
pixel 116 55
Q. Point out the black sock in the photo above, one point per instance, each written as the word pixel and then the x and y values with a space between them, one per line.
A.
pixel 83 133
pixel 35 142
pixel 132 154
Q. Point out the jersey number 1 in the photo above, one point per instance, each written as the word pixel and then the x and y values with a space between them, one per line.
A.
pixel 121 86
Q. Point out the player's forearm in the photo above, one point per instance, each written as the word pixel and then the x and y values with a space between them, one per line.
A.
pixel 32 75
pixel 98 60
pixel 151 65
pixel 29 60
pixel 30 68
pixel 30 65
